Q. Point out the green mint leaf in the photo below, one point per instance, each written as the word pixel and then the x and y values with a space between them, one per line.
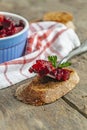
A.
pixel 53 60
pixel 65 64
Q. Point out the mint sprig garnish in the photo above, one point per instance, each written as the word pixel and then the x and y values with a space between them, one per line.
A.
pixel 53 60
pixel 65 64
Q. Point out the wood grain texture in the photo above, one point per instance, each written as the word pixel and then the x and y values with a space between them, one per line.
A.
pixel 78 97
pixel 15 115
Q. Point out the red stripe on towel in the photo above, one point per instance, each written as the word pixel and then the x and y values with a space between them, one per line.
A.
pixel 5 73
pixel 21 69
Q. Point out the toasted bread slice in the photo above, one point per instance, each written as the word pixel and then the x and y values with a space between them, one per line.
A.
pixel 46 90
pixel 62 17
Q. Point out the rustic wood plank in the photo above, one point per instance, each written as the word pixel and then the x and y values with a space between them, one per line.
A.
pixel 15 115
pixel 78 96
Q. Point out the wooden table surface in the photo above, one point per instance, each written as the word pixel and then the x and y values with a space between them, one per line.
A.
pixel 67 113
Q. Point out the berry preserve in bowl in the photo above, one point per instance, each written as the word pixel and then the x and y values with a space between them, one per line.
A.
pixel 14 31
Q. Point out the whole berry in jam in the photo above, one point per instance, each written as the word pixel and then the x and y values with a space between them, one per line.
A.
pixel 42 67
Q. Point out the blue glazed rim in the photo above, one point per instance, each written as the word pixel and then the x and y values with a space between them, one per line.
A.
pixel 11 44
pixel 17 35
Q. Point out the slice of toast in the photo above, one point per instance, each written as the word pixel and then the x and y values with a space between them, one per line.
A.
pixel 62 17
pixel 46 90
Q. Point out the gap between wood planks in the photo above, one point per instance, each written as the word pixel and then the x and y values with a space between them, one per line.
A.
pixel 74 106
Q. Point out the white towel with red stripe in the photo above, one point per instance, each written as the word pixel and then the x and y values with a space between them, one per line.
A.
pixel 45 38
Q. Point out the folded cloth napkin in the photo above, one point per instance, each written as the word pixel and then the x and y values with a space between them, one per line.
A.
pixel 45 38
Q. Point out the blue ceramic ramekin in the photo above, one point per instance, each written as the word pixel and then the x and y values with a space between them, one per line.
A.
pixel 12 47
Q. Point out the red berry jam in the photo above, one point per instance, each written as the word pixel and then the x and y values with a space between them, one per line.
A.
pixel 61 74
pixel 44 68
pixel 9 27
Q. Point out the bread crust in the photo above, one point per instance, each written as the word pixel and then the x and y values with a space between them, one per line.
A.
pixel 62 17
pixel 46 90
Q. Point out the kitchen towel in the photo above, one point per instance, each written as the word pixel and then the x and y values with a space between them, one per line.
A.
pixel 45 38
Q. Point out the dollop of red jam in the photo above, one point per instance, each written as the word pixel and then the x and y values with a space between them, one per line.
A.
pixel 44 68
pixel 9 27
